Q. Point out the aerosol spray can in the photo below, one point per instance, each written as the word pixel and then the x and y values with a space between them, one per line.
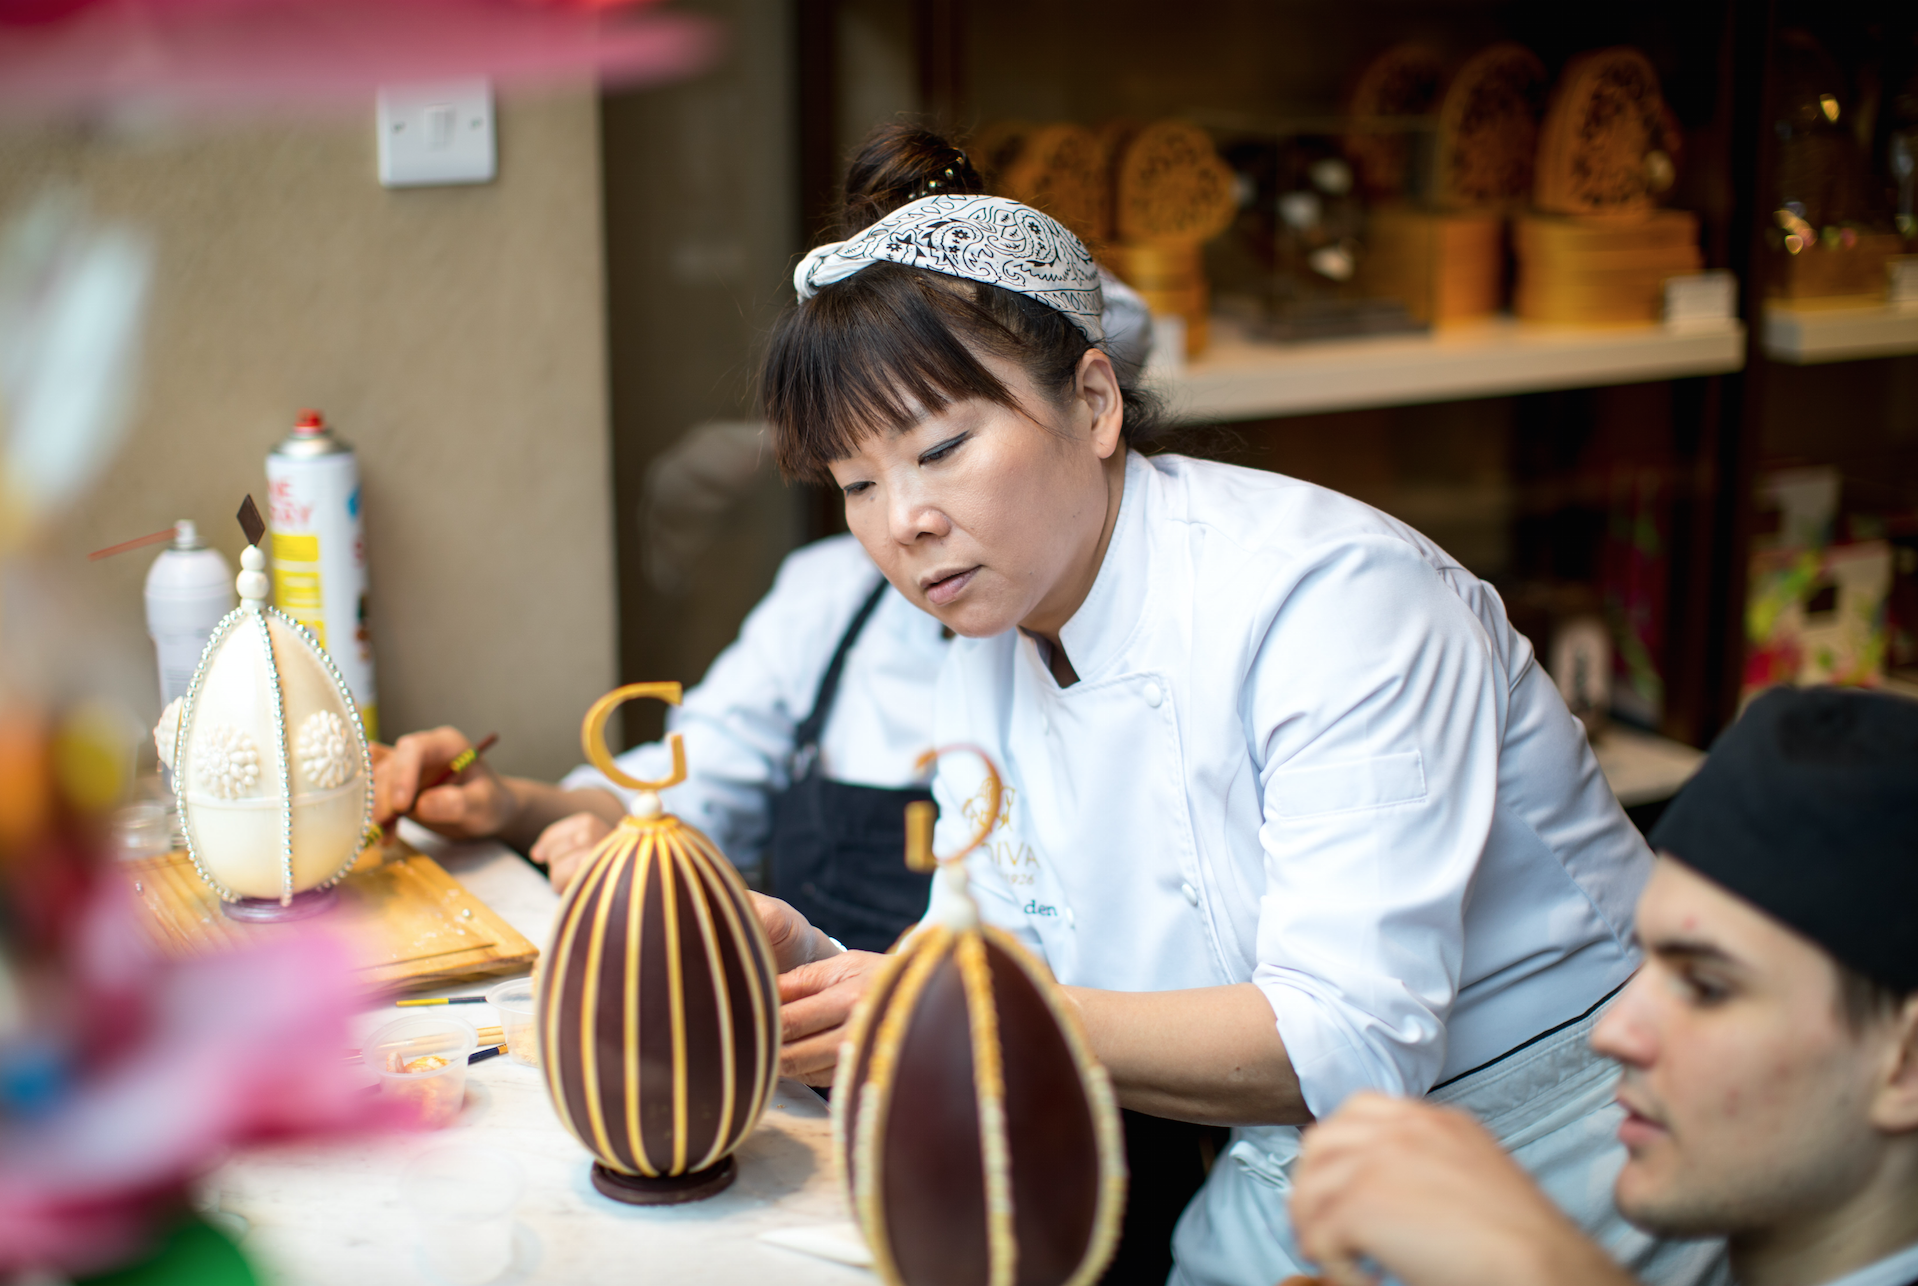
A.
pixel 189 588
pixel 319 552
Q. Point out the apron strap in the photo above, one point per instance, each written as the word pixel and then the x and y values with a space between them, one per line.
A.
pixel 806 735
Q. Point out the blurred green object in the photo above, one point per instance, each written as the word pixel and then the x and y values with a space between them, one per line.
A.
pixel 195 1254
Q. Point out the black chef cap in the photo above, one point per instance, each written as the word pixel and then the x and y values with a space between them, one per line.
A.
pixel 1808 809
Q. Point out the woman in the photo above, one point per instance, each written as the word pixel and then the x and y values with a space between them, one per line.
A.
pixel 1293 810
pixel 802 735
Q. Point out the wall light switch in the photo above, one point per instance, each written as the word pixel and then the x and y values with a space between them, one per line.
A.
pixel 433 134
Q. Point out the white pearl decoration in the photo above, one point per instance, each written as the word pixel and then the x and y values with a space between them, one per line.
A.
pixel 226 762
pixel 166 733
pixel 323 750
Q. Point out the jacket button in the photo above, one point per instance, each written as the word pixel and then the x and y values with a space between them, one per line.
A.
pixel 1191 894
pixel 1072 921
pixel 1153 696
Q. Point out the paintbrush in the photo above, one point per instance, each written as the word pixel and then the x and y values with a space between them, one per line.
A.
pixel 459 763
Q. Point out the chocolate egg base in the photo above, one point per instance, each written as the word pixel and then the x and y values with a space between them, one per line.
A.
pixel 668 1190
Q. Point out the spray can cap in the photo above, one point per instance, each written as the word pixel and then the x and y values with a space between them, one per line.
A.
pixel 310 424
pixel 186 535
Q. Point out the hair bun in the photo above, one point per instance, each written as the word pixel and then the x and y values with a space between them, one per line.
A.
pixel 899 164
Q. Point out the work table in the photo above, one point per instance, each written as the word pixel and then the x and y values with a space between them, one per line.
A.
pixel 332 1213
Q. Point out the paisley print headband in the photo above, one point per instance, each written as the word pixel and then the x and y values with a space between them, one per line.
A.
pixel 977 238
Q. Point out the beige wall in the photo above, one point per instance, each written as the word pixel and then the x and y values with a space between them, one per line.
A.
pixel 455 336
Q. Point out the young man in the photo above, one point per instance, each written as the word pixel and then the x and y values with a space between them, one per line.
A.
pixel 1769 1045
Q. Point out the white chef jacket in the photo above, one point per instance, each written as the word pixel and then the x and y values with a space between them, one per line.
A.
pixel 1306 750
pixel 739 720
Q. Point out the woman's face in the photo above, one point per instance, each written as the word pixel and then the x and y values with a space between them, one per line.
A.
pixel 986 517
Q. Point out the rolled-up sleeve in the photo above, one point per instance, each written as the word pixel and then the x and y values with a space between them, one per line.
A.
pixel 1374 704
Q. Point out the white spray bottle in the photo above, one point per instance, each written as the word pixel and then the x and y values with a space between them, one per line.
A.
pixel 189 589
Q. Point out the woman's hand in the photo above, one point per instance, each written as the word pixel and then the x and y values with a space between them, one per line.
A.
pixel 818 986
pixel 815 1002
pixel 1426 1194
pixel 795 941
pixel 474 805
pixel 563 847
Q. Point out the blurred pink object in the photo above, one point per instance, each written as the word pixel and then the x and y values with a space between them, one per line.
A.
pixel 90 55
pixel 186 1061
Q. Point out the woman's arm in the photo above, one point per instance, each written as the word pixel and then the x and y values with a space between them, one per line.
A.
pixel 1210 1054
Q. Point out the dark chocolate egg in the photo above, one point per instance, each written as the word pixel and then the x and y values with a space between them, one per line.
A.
pixel 658 1010
pixel 976 1134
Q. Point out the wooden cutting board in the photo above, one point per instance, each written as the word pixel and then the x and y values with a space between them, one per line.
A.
pixel 411 925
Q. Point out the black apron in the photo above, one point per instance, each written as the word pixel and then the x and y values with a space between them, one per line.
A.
pixel 838 851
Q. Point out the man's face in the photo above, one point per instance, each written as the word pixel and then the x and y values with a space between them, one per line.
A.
pixel 1747 1095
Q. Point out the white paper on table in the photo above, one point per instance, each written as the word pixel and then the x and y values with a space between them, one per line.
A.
pixel 839 1242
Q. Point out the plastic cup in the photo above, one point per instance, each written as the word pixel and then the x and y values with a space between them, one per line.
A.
pixel 462 1198
pixel 141 830
pixel 514 1002
pixel 435 1049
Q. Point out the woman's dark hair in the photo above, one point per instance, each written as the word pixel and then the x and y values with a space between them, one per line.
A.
pixel 896 165
pixel 875 351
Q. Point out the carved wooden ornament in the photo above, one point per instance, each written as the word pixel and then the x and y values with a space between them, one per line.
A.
pixel 1172 186
pixel 1488 128
pixel 658 1012
pixel 976 1135
pixel 1609 144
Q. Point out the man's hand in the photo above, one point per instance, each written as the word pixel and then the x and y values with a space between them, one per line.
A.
pixel 474 805
pixel 815 1002
pixel 563 847
pixel 1427 1195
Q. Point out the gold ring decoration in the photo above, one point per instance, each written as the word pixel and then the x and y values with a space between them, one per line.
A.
pixel 592 735
pixel 920 814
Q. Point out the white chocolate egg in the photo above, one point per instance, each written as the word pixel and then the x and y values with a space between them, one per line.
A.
pixel 270 763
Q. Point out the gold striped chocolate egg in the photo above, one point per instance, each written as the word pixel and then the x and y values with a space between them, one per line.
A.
pixel 658 1011
pixel 977 1136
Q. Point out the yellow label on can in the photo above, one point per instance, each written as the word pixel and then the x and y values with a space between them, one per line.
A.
pixel 295 549
pixel 293 591
pixel 296 589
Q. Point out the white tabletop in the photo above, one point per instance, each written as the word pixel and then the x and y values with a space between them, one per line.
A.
pixel 332 1213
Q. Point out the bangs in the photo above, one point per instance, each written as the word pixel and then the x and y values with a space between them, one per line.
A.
pixel 876 353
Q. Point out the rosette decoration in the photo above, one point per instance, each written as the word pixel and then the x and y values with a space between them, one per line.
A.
pixel 269 761
pixel 657 1006
pixel 977 1136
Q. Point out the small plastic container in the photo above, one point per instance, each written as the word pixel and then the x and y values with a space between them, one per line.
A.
pixel 421 1061
pixel 514 1002
pixel 463 1199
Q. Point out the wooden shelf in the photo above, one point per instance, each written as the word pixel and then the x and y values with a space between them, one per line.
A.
pixel 1804 336
pixel 1643 768
pixel 1239 379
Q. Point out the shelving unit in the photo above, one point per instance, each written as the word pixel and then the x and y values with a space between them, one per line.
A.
pixel 1805 336
pixel 1241 379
